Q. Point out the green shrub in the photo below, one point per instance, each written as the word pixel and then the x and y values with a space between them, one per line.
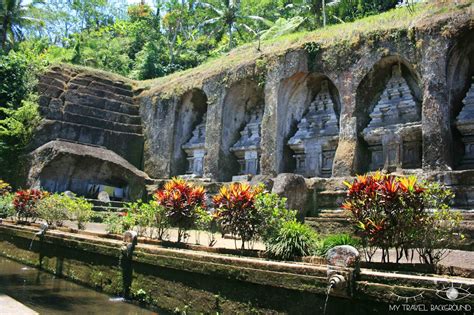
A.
pixel 207 223
pixel 114 223
pixel 54 209
pixel 275 213
pixel 80 210
pixel 293 239
pixel 6 205
pixel 335 240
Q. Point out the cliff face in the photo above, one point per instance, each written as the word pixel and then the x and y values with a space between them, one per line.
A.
pixel 90 108
pixel 434 58
pixel 409 76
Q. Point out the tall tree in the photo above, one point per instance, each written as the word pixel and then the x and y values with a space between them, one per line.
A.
pixel 227 15
pixel 14 16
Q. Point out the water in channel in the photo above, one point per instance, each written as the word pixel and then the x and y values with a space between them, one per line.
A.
pixel 47 294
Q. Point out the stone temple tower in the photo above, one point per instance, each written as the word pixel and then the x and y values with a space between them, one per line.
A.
pixel 316 139
pixel 195 149
pixel 394 131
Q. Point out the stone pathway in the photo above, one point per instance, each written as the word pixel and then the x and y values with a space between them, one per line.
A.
pixel 10 306
pixel 455 258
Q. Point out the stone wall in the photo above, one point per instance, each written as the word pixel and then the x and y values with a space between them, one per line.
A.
pixel 200 282
pixel 90 108
pixel 415 112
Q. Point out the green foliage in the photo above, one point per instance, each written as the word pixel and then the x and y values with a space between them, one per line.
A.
pixel 80 210
pixel 281 27
pixel 6 205
pixel 206 222
pixel 275 213
pixel 54 209
pixel 113 223
pixel 293 240
pixel 18 109
pixel 331 241
pixel 149 63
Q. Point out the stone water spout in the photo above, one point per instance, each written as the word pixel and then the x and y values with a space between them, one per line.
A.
pixel 343 268
pixel 129 243
pixel 42 231
pixel 125 261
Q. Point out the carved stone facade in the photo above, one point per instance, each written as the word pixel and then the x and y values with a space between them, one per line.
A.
pixel 247 149
pixel 195 149
pixel 465 125
pixel 316 139
pixel 394 132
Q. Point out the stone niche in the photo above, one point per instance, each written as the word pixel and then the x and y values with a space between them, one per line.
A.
pixel 190 135
pixel 465 125
pixel 247 149
pixel 240 135
pixel 86 170
pixel 460 77
pixel 317 136
pixel 394 132
pixel 195 150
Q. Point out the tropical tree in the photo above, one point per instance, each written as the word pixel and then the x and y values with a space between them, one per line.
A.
pixel 14 16
pixel 228 16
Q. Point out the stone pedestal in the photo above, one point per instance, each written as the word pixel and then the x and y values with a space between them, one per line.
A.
pixel 394 132
pixel 247 149
pixel 195 150
pixel 465 125
pixel 316 139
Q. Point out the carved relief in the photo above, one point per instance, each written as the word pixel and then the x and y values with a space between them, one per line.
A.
pixel 247 149
pixel 316 139
pixel 394 131
pixel 195 149
pixel 465 125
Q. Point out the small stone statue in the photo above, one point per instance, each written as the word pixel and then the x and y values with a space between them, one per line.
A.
pixel 465 124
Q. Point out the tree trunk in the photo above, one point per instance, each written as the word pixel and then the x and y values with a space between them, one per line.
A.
pixel 231 39
pixel 4 32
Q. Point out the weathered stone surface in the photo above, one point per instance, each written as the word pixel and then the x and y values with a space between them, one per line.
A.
pixel 316 139
pixel 105 116
pixel 60 165
pixel 465 124
pixel 293 187
pixel 195 149
pixel 343 256
pixel 394 131
pixel 247 149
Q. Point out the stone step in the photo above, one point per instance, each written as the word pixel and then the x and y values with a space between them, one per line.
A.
pixel 108 209
pixel 128 145
pixel 330 199
pixel 85 99
pixel 100 93
pixel 102 114
pixel 103 84
pixel 94 122
pixel 112 203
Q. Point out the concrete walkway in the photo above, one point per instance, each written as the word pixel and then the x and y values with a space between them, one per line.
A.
pixel 10 306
